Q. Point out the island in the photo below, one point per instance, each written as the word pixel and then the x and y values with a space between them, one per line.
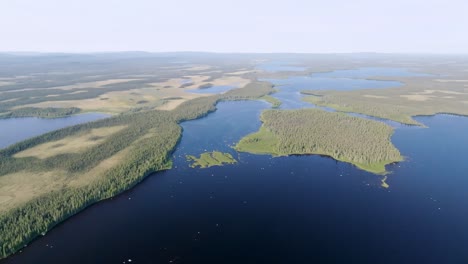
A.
pixel 210 159
pixel 361 142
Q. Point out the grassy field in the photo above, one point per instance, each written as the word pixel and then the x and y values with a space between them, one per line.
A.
pixel 272 100
pixel 364 143
pixel 210 159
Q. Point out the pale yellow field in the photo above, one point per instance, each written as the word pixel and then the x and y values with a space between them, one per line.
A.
pixel 416 97
pixel 72 144
pixel 153 95
pixel 199 68
pixel 84 85
pixel 18 188
pixel 3 83
pixel 21 187
pixel 375 96
pixel 96 84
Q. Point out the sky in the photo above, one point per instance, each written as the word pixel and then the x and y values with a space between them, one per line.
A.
pixel 312 26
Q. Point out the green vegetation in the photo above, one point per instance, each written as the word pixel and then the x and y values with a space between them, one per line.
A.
pixel 272 100
pixel 85 176
pixel 41 112
pixel 210 159
pixel 364 143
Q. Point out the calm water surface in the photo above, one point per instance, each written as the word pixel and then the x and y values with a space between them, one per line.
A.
pixel 13 130
pixel 298 209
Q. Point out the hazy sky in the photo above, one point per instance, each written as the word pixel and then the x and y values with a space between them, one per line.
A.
pixel 434 26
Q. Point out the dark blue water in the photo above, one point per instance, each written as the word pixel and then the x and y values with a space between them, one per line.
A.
pixel 213 90
pixel 299 209
pixel 13 130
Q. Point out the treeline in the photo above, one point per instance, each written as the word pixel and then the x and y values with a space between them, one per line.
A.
pixel 152 136
pixel 48 112
pixel 363 142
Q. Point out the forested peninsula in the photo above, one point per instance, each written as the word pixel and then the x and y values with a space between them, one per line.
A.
pixel 131 146
pixel 362 142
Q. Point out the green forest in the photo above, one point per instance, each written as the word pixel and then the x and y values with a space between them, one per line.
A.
pixel 362 142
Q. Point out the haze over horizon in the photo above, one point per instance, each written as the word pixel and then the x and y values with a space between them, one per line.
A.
pixel 296 26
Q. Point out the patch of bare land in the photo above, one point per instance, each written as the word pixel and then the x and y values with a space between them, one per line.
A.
pixel 21 187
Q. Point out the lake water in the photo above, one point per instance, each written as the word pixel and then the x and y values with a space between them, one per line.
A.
pixel 13 130
pixel 298 209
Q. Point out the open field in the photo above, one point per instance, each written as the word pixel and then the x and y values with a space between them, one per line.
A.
pixel 72 144
pixel 364 143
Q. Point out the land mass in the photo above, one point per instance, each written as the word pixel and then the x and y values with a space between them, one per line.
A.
pixel 364 143
pixel 46 179
pixel 418 96
pixel 90 162
pixel 210 159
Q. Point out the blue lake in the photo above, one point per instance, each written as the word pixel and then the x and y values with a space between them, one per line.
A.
pixel 13 130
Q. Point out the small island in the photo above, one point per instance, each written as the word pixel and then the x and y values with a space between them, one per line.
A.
pixel 210 159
